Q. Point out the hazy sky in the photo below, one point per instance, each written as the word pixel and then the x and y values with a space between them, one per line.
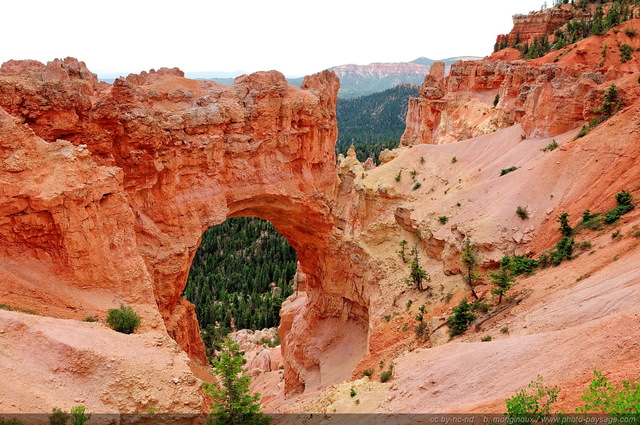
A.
pixel 295 37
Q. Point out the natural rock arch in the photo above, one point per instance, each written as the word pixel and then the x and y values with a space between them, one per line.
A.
pixel 150 162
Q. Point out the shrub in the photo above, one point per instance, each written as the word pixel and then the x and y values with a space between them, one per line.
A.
pixel 367 372
pixel 631 32
pixel 486 338
pixel 454 159
pixel 603 396
pixel 625 53
pixel 443 219
pixel 533 405
pixel 591 221
pixel 625 204
pixel 78 415
pixel 386 375
pixel 551 146
pixel 480 306
pixel 90 319
pixel 522 212
pixel 421 330
pixel 123 319
pixel 58 417
pixel 583 132
pixel 518 264
pixel 496 100
pixel 461 318
pixel 417 186
pixel 352 392
pixel 508 170
pixel 562 250
pixel 398 176
pixel 13 421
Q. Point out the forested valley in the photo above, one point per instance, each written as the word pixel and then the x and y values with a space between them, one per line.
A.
pixel 240 275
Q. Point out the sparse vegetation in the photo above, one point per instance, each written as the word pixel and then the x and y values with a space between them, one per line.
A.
pixel 480 306
pixel 421 330
pixel 496 99
pixel 459 321
pixel 387 374
pixel 486 338
pixel 79 415
pixel 631 32
pixel 367 372
pixel 12 421
pixel 522 212
pixel 123 319
pixel 454 160
pixel 504 330
pixel 611 104
pixel 12 308
pixel 533 403
pixel 417 186
pixel 352 392
pixel 551 146
pixel 508 170
pixel 58 417
pixel 625 204
pixel 604 397
pixel 443 219
pixel 398 176
pixel 625 53
pixel 518 264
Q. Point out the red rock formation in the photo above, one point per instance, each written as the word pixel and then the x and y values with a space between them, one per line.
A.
pixel 536 25
pixel 148 164
pixel 548 96
pixel 161 153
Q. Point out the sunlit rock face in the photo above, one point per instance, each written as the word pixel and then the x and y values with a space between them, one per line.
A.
pixel 108 189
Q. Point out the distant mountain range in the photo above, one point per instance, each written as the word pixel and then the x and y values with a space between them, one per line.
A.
pixel 355 80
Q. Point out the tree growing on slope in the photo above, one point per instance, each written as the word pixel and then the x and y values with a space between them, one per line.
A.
pixel 232 402
pixel 470 260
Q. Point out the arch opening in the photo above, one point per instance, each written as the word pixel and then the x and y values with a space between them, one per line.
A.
pixel 240 275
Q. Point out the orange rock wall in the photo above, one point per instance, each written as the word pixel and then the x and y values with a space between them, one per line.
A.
pixel 548 96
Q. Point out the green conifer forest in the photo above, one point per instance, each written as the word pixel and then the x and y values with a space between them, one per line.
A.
pixel 230 277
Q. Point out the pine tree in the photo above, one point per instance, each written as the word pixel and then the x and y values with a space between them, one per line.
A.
pixel 502 280
pixel 470 260
pixel 232 402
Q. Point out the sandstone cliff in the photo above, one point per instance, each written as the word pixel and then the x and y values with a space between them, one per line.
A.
pixel 547 96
